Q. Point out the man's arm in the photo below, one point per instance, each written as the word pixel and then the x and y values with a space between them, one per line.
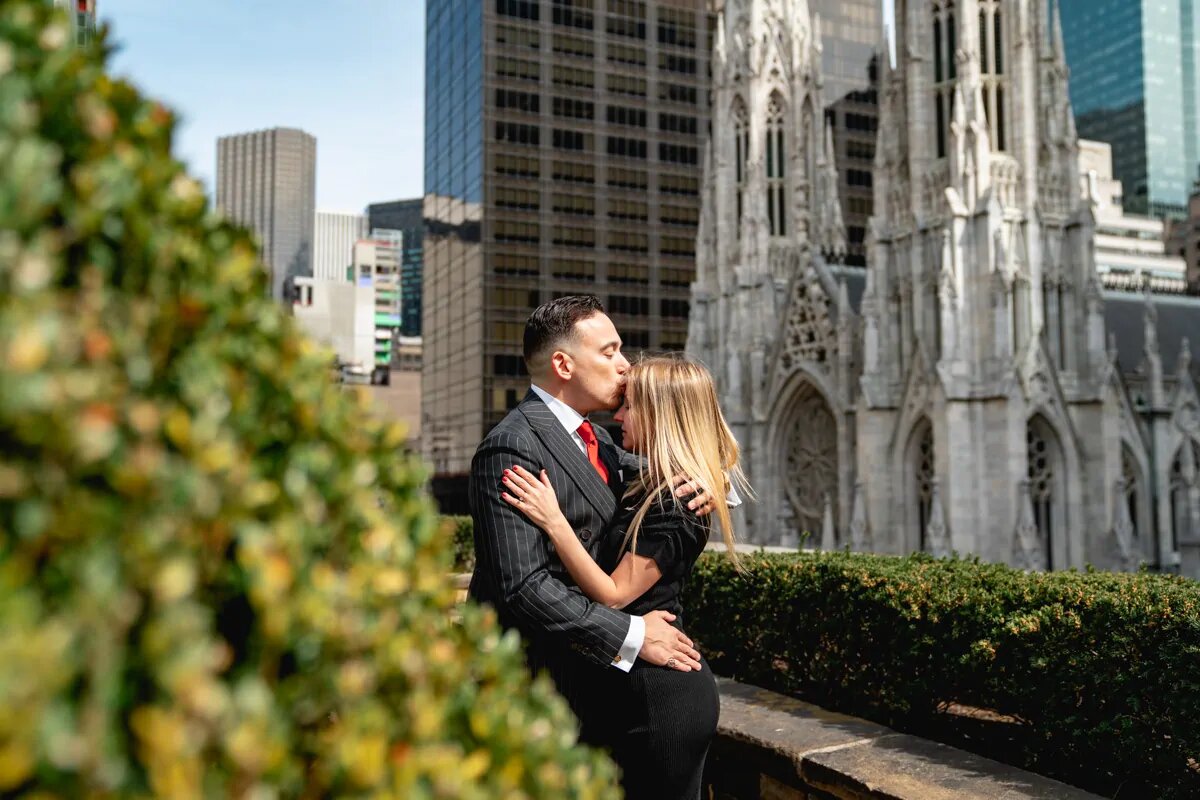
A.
pixel 515 556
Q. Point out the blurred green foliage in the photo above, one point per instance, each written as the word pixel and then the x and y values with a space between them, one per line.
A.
pixel 218 577
pixel 1101 671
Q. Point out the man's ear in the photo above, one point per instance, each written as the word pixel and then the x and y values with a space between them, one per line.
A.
pixel 561 365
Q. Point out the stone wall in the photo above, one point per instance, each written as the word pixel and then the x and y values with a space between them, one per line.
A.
pixel 773 747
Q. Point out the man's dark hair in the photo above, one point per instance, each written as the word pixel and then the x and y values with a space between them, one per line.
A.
pixel 552 323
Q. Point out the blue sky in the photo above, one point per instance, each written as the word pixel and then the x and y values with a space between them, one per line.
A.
pixel 350 72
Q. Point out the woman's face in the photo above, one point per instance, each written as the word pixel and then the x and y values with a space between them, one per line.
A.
pixel 631 433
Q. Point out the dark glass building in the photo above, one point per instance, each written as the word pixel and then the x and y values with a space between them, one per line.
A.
pixel 562 156
pixel 405 216
pixel 851 33
pixel 1133 85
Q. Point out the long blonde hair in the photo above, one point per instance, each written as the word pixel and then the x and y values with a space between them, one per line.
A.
pixel 684 433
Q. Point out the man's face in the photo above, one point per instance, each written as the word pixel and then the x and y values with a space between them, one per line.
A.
pixel 598 374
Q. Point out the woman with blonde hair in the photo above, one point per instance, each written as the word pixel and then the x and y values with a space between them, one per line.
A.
pixel 671 417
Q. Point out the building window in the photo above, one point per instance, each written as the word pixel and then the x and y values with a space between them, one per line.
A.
pixel 516 265
pixel 994 82
pixel 669 62
pixel 514 36
pixel 521 9
pixel 678 215
pixel 776 168
pixel 1044 473
pixel 675 93
pixel 518 68
pixel 564 139
pixel 626 18
pixel 562 75
pixel 573 269
pixel 568 236
pixel 623 304
pixel 632 117
pixel 679 184
pixel 945 34
pixel 573 46
pixel 628 148
pixel 1185 476
pixel 741 146
pixel 677 123
pixel 573 13
pixel 581 205
pixel 628 209
pixel 518 101
pixel 575 109
pixel 516 133
pixel 626 54
pixel 513 231
pixel 513 197
pixel 677 246
pixel 626 84
pixel 624 178
pixel 573 172
pixel 677 27
pixel 923 478
pixel 628 273
pixel 677 309
pixel 628 242
pixel 678 153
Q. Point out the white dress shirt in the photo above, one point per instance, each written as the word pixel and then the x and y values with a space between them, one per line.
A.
pixel 571 419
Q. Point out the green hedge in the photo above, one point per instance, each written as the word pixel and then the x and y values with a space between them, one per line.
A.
pixel 218 577
pixel 458 530
pixel 1101 669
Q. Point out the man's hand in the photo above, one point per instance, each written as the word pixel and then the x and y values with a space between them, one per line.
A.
pixel 702 503
pixel 665 646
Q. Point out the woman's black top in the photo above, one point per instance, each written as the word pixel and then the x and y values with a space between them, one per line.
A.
pixel 671 535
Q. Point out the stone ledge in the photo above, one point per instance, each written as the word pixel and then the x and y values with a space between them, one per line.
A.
pixel 772 746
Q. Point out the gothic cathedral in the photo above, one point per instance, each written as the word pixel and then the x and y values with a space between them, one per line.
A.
pixel 964 392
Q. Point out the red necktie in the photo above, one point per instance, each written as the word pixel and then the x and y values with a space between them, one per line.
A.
pixel 593 448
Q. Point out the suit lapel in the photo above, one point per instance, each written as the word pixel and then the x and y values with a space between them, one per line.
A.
pixel 568 455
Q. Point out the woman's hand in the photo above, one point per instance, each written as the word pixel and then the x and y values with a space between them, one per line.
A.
pixel 535 497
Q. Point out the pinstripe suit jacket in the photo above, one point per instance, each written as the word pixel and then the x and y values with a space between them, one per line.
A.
pixel 516 568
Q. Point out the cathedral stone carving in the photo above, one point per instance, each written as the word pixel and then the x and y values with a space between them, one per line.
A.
pixel 965 399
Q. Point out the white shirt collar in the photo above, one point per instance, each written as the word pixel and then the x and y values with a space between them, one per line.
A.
pixel 568 417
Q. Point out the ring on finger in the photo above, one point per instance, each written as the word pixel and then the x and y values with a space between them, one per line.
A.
pixel 671 663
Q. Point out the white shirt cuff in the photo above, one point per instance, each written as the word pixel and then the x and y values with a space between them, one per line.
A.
pixel 632 645
pixel 732 498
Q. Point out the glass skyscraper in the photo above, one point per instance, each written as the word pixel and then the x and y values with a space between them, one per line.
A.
pixel 562 156
pixel 1133 85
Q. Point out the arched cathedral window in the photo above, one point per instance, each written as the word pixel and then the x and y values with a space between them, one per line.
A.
pixel 776 169
pixel 1044 479
pixel 991 68
pixel 1183 479
pixel 945 70
pixel 741 146
pixel 1131 480
pixel 923 477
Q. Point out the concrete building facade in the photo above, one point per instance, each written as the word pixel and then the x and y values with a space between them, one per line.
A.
pixel 334 236
pixel 267 181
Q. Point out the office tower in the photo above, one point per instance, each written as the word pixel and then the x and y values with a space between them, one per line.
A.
pixel 377 264
pixel 1133 84
pixel 83 19
pixel 1130 251
pixel 267 181
pixel 563 150
pixel 405 216
pixel 334 236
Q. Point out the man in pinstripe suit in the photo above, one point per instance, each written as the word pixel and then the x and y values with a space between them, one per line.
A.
pixel 573 354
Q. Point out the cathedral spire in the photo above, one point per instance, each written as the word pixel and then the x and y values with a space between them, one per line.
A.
pixel 833 227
